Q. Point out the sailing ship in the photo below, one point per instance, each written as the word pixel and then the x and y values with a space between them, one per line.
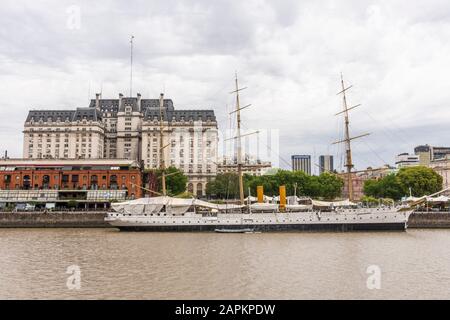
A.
pixel 164 213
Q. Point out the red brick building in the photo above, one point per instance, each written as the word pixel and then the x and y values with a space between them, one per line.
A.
pixel 92 174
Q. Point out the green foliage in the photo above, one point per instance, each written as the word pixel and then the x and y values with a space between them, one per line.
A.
pixel 369 200
pixel 421 180
pixel 330 186
pixel 372 201
pixel 327 186
pixel 224 186
pixel 175 181
pixel 387 187
pixel 185 195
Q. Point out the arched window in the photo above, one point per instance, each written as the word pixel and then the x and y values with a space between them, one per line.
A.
pixel 26 182
pixel 94 182
pixel 46 182
pixel 199 189
pixel 190 188
pixel 113 182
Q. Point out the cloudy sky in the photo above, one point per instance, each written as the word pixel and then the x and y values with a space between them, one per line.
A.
pixel 396 54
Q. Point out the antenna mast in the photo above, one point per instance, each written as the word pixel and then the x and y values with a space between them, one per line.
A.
pixel 347 138
pixel 161 144
pixel 131 65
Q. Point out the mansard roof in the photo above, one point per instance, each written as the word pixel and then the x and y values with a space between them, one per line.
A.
pixel 178 115
pixel 63 115
pixel 149 108
pixel 52 115
pixel 106 105
pixel 154 104
pixel 87 113
pixel 112 105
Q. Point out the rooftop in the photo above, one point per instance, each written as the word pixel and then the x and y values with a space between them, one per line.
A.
pixel 148 107
pixel 20 162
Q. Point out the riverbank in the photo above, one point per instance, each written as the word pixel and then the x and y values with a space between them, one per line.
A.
pixel 429 220
pixel 75 219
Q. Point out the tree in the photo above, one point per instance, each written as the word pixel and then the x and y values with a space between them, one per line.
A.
pixel 421 180
pixel 224 186
pixel 387 187
pixel 327 185
pixel 175 181
pixel 330 186
pixel 369 200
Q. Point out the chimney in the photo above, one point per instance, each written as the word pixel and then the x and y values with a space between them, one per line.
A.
pixel 120 100
pixel 139 101
pixel 97 100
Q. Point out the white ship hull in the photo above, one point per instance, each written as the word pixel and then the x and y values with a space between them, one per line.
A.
pixel 344 220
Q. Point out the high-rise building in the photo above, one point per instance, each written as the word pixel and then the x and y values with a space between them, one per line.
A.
pixel 428 153
pixel 301 163
pixel 128 128
pixel 423 152
pixel 326 164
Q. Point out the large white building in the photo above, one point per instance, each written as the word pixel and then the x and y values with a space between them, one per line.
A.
pixel 407 160
pixel 128 128
pixel 251 166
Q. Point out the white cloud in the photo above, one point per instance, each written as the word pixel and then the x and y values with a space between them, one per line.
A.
pixel 288 53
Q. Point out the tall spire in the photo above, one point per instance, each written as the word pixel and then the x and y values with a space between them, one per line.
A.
pixel 131 66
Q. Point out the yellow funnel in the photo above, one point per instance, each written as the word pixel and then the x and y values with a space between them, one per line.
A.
pixel 260 193
pixel 282 198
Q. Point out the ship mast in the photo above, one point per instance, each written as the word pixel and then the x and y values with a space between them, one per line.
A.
pixel 239 142
pixel 161 145
pixel 240 164
pixel 348 150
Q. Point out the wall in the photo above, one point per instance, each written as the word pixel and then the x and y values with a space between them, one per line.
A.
pixel 53 220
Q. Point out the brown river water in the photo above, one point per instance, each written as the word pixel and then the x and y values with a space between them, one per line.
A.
pixel 121 265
